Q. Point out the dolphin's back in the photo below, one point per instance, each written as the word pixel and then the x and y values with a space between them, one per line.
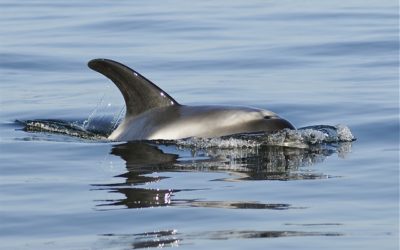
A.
pixel 176 122
pixel 153 114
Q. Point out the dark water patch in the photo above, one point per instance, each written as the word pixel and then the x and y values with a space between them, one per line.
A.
pixel 334 16
pixel 147 23
pixel 52 5
pixel 355 48
pixel 388 64
pixel 226 63
pixel 32 62
pixel 385 130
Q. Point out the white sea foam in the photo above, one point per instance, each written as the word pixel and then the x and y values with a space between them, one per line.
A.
pixel 217 143
pixel 61 127
pixel 301 138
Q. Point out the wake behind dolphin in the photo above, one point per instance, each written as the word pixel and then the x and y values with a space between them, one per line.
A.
pixel 152 114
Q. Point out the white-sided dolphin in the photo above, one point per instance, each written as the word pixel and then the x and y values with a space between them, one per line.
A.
pixel 153 114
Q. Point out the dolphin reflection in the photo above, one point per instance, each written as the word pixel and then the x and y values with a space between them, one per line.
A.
pixel 144 159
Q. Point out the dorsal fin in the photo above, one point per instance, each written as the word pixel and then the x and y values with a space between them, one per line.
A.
pixel 139 93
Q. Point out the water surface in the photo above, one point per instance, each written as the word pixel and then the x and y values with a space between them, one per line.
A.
pixel 312 62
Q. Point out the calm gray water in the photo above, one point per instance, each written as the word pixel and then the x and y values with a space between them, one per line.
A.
pixel 313 62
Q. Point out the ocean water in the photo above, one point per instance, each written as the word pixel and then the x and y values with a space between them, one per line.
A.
pixel 312 62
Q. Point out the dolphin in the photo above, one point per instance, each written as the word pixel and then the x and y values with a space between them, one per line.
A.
pixel 152 114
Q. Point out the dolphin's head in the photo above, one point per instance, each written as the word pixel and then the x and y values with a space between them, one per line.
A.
pixel 272 122
pixel 238 120
pixel 275 123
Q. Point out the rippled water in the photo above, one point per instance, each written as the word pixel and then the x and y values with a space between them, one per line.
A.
pixel 313 62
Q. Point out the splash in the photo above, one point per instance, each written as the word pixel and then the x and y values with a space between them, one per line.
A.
pixel 103 118
pixel 73 129
pixel 305 137
pixel 327 133
pixel 100 123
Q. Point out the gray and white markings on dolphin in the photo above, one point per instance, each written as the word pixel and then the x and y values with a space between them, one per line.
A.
pixel 153 114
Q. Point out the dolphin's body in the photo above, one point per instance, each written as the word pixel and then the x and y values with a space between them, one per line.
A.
pixel 152 114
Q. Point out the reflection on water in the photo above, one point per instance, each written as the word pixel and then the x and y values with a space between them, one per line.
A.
pixel 243 164
pixel 173 238
pixel 159 239
pixel 243 157
pixel 143 198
